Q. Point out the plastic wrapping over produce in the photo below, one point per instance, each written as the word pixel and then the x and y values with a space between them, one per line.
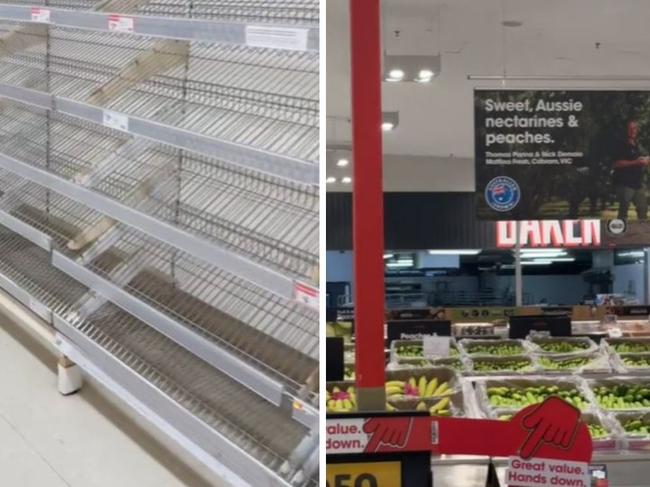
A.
pixel 634 429
pixel 564 345
pixel 459 364
pixel 631 363
pixel 515 364
pixel 574 363
pixel 414 349
pixel 626 345
pixel 480 347
pixel 515 393
pixel 621 393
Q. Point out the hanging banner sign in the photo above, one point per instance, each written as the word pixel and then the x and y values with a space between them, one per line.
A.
pixel 549 233
pixel 551 154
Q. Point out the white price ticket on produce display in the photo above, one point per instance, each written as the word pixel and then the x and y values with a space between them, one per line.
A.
pixel 435 346
pixel 614 333
pixel 276 37
pixel 120 23
pixel 41 14
pixel 306 295
pixel 116 120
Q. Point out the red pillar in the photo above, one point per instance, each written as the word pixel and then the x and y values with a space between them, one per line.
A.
pixel 367 197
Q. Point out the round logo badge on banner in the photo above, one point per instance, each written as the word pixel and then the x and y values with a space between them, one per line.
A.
pixel 502 193
pixel 616 226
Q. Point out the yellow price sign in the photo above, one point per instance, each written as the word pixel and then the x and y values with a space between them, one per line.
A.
pixel 375 474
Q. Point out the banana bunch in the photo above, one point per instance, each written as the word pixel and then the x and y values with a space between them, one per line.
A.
pixel 440 408
pixel 398 389
pixel 339 401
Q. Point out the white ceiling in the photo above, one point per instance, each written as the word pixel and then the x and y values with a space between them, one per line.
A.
pixel 557 37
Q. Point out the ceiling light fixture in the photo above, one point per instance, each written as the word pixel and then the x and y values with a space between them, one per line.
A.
pixel 411 68
pixel 346 180
pixel 455 252
pixel 425 76
pixel 330 179
pixel 543 254
pixel 561 259
pixel 390 121
pixel 395 75
pixel 632 253
pixel 342 162
pixel 537 262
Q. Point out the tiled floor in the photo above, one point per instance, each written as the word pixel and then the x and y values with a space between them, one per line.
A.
pixel 48 440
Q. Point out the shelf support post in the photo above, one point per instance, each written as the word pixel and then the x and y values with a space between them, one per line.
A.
pixel 367 197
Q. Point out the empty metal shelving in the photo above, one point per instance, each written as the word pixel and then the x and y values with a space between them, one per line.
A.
pixel 159 207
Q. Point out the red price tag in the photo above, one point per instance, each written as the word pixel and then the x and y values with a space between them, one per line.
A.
pixel 306 295
pixel 119 23
pixel 40 15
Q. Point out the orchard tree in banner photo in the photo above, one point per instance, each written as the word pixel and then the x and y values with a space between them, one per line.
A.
pixel 557 148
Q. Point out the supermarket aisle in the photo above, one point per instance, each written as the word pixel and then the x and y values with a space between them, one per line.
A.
pixel 77 441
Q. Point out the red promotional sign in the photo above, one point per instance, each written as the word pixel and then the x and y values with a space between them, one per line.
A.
pixel 550 430
pixel 549 233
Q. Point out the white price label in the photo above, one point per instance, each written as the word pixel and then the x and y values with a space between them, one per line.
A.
pixel 119 23
pixel 40 14
pixel 276 37
pixel 116 120
pixel 614 332
pixel 434 346
pixel 306 295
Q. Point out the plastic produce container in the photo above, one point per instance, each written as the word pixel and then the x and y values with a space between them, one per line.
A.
pixel 498 348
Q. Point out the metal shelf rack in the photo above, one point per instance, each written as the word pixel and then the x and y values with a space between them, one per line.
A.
pixel 224 22
pixel 159 208
pixel 264 433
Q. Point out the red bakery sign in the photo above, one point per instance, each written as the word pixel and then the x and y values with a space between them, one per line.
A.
pixel 549 233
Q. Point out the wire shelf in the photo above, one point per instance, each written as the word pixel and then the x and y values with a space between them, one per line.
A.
pixel 258 427
pixel 281 12
pixel 209 121
pixel 270 220
pixel 278 337
pixel 263 98
pixel 270 332
pixel 252 96
pixel 29 267
pixel 55 215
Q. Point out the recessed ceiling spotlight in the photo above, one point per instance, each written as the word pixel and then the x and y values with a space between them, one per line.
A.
pixel 512 23
pixel 387 126
pixel 330 180
pixel 425 76
pixel 395 75
pixel 346 180
pixel 342 162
